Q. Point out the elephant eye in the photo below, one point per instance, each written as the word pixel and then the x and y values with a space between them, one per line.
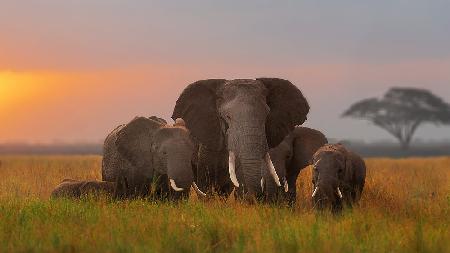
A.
pixel 224 125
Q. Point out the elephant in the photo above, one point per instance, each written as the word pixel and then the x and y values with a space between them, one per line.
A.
pixel 293 154
pixel 338 177
pixel 70 188
pixel 149 158
pixel 235 123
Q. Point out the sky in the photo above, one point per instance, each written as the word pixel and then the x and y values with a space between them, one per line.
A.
pixel 70 71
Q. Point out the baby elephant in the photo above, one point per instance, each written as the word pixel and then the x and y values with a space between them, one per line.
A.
pixel 70 188
pixel 338 177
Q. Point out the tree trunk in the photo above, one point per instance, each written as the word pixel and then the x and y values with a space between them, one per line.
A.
pixel 405 144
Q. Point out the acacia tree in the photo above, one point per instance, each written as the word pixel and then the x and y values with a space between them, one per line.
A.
pixel 401 111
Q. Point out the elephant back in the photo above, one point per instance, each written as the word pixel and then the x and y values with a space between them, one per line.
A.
pixel 126 150
pixel 112 161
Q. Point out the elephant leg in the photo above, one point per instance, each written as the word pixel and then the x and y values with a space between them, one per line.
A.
pixel 291 176
pixel 203 178
pixel 121 190
pixel 178 196
pixel 222 183
pixel 292 193
pixel 204 173
pixel 159 187
pixel 348 196
pixel 140 187
pixel 358 192
pixel 212 172
pixel 126 190
pixel 224 191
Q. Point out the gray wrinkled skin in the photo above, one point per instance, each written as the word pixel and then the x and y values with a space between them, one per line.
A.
pixel 144 154
pixel 70 188
pixel 245 116
pixel 111 161
pixel 335 166
pixel 292 155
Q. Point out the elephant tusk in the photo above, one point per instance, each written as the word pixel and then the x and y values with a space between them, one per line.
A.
pixel 314 192
pixel 286 186
pixel 339 193
pixel 174 186
pixel 271 168
pixel 315 164
pixel 198 191
pixel 232 168
pixel 262 184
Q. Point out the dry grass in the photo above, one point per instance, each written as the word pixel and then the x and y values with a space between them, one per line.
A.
pixel 405 207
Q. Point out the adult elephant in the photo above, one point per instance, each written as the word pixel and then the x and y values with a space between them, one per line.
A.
pixel 293 154
pixel 236 122
pixel 148 152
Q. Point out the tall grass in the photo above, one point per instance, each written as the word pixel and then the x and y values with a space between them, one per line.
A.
pixel 405 207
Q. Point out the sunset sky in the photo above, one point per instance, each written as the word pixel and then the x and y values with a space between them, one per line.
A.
pixel 71 71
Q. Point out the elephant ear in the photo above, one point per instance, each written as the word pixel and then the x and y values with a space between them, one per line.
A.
pixel 348 161
pixel 288 108
pixel 134 141
pixel 306 142
pixel 346 158
pixel 197 107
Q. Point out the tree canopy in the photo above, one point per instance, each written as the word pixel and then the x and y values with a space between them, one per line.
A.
pixel 401 111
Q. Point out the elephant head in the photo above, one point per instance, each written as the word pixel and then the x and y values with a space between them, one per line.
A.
pixel 331 166
pixel 244 117
pixel 158 153
pixel 293 154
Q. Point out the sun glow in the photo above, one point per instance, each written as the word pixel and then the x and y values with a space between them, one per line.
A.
pixel 12 87
pixel 19 87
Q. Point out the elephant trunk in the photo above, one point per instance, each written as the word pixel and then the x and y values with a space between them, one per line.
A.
pixel 326 194
pixel 180 174
pixel 249 150
pixel 252 175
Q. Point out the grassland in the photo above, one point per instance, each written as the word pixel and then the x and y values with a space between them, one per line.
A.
pixel 405 208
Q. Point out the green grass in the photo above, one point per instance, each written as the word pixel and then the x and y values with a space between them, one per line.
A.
pixel 405 208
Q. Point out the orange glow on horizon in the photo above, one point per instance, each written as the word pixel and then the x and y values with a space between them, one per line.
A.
pixel 84 104
pixel 17 87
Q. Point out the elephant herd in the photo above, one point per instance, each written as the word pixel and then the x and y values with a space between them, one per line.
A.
pixel 242 136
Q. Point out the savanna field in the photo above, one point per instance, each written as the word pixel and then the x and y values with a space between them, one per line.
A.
pixel 405 208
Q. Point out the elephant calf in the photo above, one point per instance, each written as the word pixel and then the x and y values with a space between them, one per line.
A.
pixel 292 155
pixel 338 177
pixel 70 188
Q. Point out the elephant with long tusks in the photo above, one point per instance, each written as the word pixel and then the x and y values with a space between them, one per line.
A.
pixel 236 122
